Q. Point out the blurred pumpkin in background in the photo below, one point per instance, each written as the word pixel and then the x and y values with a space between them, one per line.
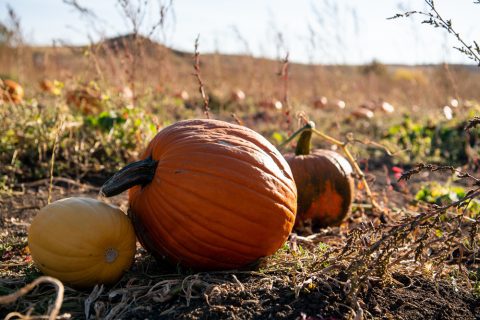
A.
pixel 88 99
pixel 53 87
pixel 11 91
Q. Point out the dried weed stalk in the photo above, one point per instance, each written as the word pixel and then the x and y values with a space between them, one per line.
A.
pixel 442 240
pixel 423 243
pixel 284 75
pixel 201 87
pixel 11 298
pixel 134 45
pixel 435 19
pixel 58 133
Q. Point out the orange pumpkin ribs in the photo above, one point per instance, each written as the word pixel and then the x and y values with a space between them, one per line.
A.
pixel 209 195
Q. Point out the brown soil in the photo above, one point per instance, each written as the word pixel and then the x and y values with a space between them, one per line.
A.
pixel 405 298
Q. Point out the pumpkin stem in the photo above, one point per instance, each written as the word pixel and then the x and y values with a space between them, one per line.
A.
pixel 136 173
pixel 303 144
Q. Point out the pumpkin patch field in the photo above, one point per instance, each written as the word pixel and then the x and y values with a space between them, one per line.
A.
pixel 143 182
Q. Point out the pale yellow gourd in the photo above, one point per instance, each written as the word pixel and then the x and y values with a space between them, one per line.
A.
pixel 82 242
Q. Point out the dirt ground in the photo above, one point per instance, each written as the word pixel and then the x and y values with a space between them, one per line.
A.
pixel 405 298
pixel 155 290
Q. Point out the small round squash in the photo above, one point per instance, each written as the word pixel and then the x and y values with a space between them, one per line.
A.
pixel 210 195
pixel 82 241
pixel 324 183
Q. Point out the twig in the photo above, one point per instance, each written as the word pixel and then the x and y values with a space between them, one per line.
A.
pixel 52 160
pixel 58 179
pixel 358 310
pixel 284 75
pixel 237 119
pixel 379 146
pixel 242 287
pixel 448 26
pixel 472 123
pixel 435 19
pixel 432 167
pixel 201 89
pixel 83 10
pixel 409 227
pixel 26 289
pixel 14 265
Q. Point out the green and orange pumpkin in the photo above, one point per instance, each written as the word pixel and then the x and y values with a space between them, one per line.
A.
pixel 324 183
pixel 209 195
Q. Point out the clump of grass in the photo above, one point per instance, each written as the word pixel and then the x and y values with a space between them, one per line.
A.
pixel 87 143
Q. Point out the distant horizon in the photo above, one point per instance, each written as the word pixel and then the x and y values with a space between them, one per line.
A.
pixel 467 64
pixel 343 32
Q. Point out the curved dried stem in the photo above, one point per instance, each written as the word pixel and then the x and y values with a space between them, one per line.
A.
pixel 26 289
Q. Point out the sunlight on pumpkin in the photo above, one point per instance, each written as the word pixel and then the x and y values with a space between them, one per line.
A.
pixel 328 204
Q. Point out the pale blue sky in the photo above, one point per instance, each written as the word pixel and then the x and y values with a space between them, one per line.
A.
pixel 358 33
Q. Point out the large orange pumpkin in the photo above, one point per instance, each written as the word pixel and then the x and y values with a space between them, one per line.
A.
pixel 209 195
pixel 11 91
pixel 324 183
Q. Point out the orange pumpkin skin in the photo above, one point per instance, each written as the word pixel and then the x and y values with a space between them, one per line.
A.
pixel 325 187
pixel 222 196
